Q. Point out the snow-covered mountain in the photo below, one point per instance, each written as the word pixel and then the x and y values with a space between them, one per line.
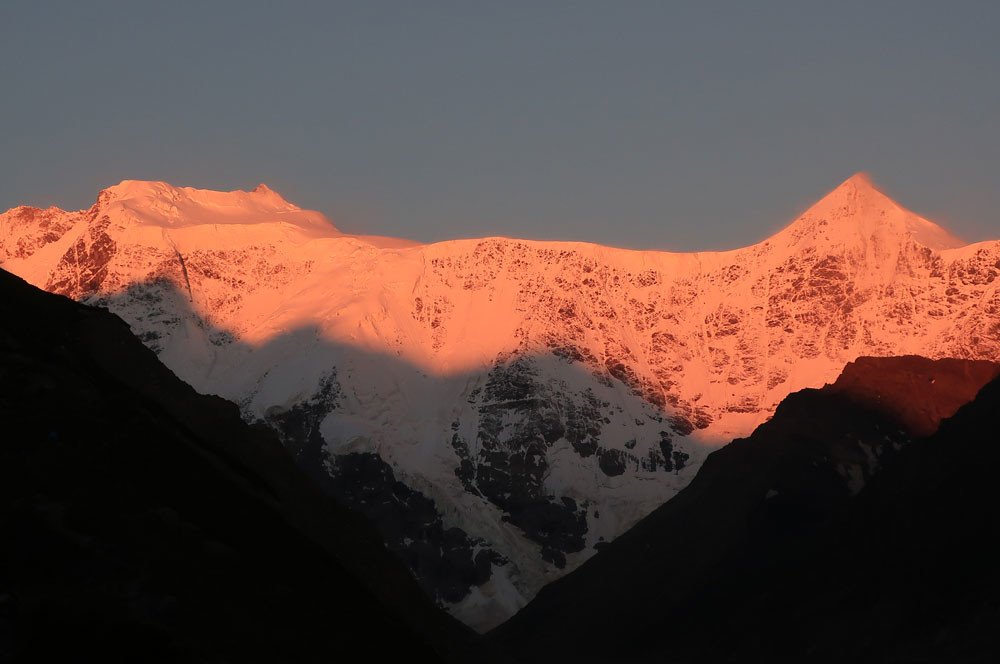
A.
pixel 856 525
pixel 500 408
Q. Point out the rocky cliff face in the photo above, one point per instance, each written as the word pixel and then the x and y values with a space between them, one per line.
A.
pixel 529 400
pixel 836 532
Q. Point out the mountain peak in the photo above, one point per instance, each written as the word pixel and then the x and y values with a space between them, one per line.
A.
pixel 263 192
pixel 159 203
pixel 128 189
pixel 858 193
pixel 858 207
pixel 860 180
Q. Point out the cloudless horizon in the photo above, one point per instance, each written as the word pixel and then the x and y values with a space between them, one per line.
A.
pixel 679 126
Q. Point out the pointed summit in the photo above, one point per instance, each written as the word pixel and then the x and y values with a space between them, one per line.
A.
pixel 264 193
pixel 858 208
pixel 860 180
pixel 857 194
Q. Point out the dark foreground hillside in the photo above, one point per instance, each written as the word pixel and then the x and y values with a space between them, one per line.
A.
pixel 830 534
pixel 141 521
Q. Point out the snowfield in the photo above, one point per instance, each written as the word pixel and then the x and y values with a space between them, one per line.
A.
pixel 500 407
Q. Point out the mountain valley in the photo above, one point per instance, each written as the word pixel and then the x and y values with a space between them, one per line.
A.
pixel 503 409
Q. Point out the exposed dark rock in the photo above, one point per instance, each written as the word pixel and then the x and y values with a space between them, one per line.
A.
pixel 681 425
pixel 447 562
pixel 511 463
pixel 298 426
pixel 672 459
pixel 520 417
pixel 830 534
pixel 583 423
pixel 611 462
pixel 466 471
pixel 83 268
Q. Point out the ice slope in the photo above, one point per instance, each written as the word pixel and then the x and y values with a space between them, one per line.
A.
pixel 500 407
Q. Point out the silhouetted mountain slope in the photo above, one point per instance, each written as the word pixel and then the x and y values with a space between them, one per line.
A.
pixel 768 555
pixel 532 400
pixel 142 521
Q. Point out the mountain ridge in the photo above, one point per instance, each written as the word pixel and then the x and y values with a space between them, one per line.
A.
pixel 859 190
pixel 541 396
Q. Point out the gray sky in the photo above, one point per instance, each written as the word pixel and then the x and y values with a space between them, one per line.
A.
pixel 662 124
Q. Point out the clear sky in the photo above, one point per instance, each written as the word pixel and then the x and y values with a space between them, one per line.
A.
pixel 664 125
